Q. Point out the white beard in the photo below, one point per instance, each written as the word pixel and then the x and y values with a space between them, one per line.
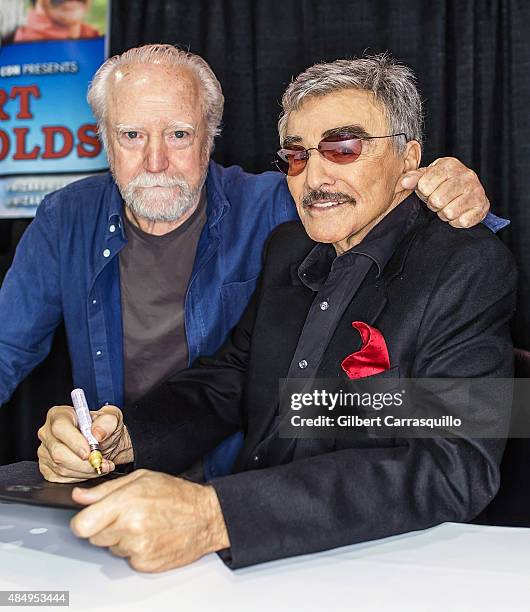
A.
pixel 157 197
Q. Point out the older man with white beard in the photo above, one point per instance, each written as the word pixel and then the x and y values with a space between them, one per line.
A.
pixel 150 267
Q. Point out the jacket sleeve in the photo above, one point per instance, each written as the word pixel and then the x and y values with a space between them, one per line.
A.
pixel 30 301
pixel 358 494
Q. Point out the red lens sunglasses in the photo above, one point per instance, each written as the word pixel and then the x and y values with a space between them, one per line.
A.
pixel 340 149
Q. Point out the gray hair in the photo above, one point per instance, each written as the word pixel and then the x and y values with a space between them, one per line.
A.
pixel 166 55
pixel 393 86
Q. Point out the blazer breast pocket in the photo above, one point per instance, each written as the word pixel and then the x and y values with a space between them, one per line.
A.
pixel 385 382
pixel 234 299
pixel 392 372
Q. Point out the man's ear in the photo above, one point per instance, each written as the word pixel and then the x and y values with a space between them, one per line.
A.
pixel 412 156
pixel 411 161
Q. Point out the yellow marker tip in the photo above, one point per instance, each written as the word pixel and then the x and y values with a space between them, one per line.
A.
pixel 96 459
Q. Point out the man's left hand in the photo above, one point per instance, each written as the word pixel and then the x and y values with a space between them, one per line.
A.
pixel 155 520
pixel 451 190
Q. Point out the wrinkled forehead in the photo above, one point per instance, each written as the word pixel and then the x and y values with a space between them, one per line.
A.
pixel 156 77
pixel 318 115
pixel 152 90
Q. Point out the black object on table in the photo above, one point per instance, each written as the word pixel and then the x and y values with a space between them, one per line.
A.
pixel 22 483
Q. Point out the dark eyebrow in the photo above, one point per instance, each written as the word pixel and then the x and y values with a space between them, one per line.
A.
pixel 289 140
pixel 355 130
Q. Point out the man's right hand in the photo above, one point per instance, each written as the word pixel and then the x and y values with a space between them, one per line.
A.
pixel 63 454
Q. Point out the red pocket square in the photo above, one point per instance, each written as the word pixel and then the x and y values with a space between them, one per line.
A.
pixel 372 358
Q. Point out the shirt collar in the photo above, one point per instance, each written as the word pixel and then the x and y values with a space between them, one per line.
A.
pixel 378 245
pixel 217 203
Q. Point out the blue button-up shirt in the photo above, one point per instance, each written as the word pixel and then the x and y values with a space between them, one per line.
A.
pixel 66 267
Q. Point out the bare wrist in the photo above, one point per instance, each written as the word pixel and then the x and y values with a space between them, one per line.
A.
pixel 216 527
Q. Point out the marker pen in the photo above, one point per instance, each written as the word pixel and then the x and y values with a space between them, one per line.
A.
pixel 85 425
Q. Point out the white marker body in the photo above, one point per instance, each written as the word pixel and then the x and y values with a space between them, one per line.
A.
pixel 83 416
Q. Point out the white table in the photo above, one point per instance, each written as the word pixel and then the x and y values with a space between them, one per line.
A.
pixel 452 567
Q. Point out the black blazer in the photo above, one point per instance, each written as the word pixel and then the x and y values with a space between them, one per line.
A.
pixel 443 304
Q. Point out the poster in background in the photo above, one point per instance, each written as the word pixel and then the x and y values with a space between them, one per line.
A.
pixel 50 50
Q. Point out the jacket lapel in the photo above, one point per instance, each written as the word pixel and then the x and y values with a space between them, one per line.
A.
pixel 286 309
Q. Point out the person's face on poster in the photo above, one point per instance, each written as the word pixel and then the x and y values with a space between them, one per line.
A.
pixel 65 12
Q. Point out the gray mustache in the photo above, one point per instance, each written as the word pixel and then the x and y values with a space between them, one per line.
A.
pixel 315 196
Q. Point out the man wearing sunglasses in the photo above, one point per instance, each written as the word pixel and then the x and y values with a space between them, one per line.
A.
pixel 371 283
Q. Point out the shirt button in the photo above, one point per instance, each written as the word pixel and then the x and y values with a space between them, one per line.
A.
pixel 302 364
pixel 324 305
pixel 112 229
pixel 106 253
pixel 98 353
pixel 256 458
pixel 94 302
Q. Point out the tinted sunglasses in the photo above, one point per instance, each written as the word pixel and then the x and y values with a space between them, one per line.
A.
pixel 339 149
